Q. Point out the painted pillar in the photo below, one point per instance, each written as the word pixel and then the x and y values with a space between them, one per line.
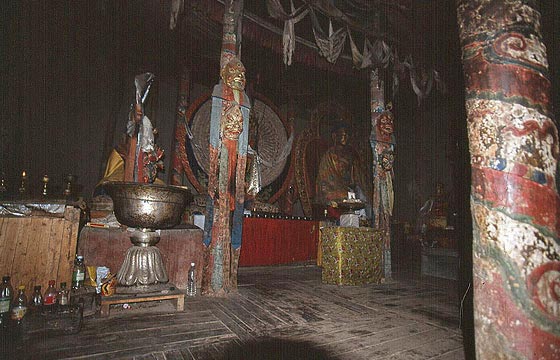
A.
pixel 180 152
pixel 513 144
pixel 229 132
pixel 382 143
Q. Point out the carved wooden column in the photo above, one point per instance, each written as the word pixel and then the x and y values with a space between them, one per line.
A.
pixel 179 149
pixel 229 130
pixel 514 200
pixel 382 143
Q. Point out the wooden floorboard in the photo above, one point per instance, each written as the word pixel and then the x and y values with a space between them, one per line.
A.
pixel 229 320
pixel 452 355
pixel 352 343
pixel 396 345
pixel 278 312
pixel 428 351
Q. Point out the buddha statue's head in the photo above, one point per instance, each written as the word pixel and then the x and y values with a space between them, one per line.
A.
pixel 339 135
pixel 233 74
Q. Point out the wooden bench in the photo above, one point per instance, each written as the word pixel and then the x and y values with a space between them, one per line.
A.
pixel 107 301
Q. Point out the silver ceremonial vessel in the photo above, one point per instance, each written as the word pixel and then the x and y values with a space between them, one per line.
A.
pixel 146 207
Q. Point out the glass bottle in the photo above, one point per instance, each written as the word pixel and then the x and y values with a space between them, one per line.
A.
pixel 62 297
pixel 191 281
pixel 79 273
pixel 19 306
pixel 36 298
pixel 49 299
pixel 6 294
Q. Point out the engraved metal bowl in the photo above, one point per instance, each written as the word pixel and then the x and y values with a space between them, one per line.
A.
pixel 148 206
pixel 349 207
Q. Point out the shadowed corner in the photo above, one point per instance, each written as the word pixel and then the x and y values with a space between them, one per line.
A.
pixel 274 348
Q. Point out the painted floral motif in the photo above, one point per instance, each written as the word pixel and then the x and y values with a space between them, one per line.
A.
pixel 525 246
pixel 544 283
pixel 510 134
pixel 486 16
pixel 351 256
pixel 527 50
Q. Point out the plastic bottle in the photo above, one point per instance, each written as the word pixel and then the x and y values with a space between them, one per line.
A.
pixel 49 299
pixel 6 294
pixel 19 306
pixel 36 301
pixel 79 273
pixel 62 297
pixel 191 283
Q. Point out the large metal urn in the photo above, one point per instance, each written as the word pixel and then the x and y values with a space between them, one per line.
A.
pixel 147 208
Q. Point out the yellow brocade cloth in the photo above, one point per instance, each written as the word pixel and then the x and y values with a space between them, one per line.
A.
pixel 351 256
pixel 114 171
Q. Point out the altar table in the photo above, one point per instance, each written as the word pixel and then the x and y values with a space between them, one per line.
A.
pixel 351 255
pixel 37 248
pixel 179 247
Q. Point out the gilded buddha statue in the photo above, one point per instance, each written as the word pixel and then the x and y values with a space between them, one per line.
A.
pixel 338 172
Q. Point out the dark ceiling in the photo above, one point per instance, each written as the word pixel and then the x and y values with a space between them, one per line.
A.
pixel 394 22
pixel 66 67
pixel 423 31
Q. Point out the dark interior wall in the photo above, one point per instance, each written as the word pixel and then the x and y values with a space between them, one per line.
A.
pixel 68 69
pixel 550 22
pixel 431 134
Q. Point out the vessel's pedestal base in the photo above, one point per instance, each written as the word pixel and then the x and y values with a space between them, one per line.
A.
pixel 142 264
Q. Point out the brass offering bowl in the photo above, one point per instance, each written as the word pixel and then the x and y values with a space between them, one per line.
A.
pixel 148 206
pixel 350 206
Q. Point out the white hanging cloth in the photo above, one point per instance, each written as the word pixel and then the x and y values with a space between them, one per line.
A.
pixel 421 81
pixel 255 178
pixel 380 53
pixel 357 57
pixel 376 54
pixel 276 11
pixel 399 70
pixel 147 135
pixel 329 46
pixel 177 7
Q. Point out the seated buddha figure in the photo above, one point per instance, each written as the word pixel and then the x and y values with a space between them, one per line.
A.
pixel 338 171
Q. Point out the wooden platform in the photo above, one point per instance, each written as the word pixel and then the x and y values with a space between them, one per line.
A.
pixel 279 313
pixel 106 301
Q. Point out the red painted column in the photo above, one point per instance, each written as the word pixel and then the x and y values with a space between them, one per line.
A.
pixel 513 144
pixel 180 151
pixel 382 141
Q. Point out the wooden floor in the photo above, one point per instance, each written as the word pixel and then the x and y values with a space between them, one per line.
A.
pixel 278 313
